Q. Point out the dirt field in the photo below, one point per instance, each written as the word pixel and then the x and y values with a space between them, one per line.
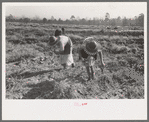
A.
pixel 33 73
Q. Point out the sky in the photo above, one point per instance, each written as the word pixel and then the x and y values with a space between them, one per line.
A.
pixel 65 10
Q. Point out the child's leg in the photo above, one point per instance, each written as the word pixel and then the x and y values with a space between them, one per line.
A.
pixel 64 66
pixel 88 72
pixel 92 73
pixel 72 65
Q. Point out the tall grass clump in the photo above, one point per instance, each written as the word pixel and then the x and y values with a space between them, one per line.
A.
pixel 17 38
pixel 76 39
pixel 116 49
pixel 21 52
pixel 14 87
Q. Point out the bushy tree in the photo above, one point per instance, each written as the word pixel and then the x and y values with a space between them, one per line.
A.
pixel 44 20
pixel 141 19
pixel 26 20
pixel 9 18
pixel 125 22
pixel 72 17
pixel 107 18
pixel 52 18
pixel 113 22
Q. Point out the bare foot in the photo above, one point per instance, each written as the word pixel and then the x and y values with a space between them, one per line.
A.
pixel 88 79
pixel 73 65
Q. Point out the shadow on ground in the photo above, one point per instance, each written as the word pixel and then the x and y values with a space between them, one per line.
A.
pixel 55 89
pixel 39 89
pixel 29 74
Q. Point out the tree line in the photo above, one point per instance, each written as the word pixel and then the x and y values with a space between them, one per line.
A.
pixel 135 21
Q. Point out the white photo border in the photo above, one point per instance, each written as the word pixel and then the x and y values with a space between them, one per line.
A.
pixel 124 109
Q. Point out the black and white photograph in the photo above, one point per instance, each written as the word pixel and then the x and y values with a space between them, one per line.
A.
pixel 90 51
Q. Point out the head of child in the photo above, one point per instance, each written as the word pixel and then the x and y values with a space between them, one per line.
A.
pixel 58 32
pixel 54 43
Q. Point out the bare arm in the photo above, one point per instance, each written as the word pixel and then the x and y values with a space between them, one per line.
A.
pixel 101 60
pixel 61 51
pixel 101 57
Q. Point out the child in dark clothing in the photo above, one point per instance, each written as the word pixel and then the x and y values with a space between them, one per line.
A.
pixel 88 53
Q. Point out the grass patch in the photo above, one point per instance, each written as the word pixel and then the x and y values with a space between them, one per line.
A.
pixel 20 52
pixel 32 72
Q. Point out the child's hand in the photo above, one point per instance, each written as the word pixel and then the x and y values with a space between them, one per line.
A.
pixel 102 65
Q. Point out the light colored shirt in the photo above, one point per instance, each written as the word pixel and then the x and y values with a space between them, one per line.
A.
pixel 66 58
